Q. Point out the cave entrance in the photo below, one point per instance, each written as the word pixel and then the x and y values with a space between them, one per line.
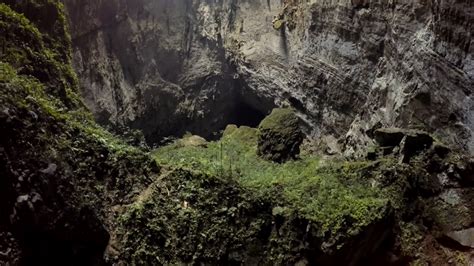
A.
pixel 243 108
pixel 244 114
pixel 239 112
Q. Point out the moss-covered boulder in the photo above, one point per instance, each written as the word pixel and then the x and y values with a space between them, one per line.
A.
pixel 243 134
pixel 280 136
pixel 192 141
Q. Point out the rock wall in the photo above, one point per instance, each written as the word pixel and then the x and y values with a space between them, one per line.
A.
pixel 347 67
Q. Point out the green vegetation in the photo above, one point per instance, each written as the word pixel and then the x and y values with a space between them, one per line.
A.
pixel 278 24
pixel 52 150
pixel 334 201
pixel 37 54
pixel 333 194
pixel 26 53
pixel 188 217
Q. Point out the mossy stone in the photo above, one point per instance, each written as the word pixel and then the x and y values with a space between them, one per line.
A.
pixel 280 136
pixel 278 24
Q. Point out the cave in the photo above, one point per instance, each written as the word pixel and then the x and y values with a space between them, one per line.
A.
pixel 244 114
pixel 243 108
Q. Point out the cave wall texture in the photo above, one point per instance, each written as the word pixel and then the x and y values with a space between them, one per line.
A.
pixel 348 67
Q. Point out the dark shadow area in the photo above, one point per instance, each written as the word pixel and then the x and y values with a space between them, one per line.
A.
pixel 246 115
pixel 297 104
pixel 243 109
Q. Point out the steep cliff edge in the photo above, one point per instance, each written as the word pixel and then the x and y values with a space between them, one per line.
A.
pixel 348 67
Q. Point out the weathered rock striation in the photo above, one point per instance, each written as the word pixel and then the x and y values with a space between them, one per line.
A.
pixel 348 67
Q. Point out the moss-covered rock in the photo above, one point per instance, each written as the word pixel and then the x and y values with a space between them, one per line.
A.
pixel 192 141
pixel 278 24
pixel 280 136
pixel 244 134
pixel 59 171
pixel 194 218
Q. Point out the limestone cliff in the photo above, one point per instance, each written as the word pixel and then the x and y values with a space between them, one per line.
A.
pixel 348 67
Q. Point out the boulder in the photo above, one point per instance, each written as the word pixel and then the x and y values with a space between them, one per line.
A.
pixel 193 141
pixel 279 136
pixel 243 134
pixel 463 237
pixel 229 130
pixel 413 143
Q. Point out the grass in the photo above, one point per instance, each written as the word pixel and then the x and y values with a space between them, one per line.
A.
pixel 334 194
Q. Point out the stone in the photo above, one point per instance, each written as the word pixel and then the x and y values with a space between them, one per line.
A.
pixel 278 24
pixel 243 134
pixel 413 143
pixel 409 141
pixel 230 129
pixel 279 136
pixel 193 141
pixel 332 145
pixel 463 237
pixel 51 169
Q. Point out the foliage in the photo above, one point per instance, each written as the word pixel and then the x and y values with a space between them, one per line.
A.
pixel 333 194
pixel 53 154
pixel 190 217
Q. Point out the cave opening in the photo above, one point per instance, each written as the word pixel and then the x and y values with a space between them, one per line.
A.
pixel 241 106
pixel 244 114
pixel 242 110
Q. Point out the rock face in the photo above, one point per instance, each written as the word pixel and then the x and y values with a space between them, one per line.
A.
pixel 408 142
pixel 348 67
pixel 463 237
pixel 149 65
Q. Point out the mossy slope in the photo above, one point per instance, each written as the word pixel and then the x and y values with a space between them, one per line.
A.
pixel 313 212
pixel 333 212
pixel 59 171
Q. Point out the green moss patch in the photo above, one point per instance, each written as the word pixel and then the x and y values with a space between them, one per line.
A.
pixel 280 136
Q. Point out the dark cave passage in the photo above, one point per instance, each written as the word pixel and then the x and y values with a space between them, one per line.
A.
pixel 234 103
pixel 245 114
pixel 240 110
